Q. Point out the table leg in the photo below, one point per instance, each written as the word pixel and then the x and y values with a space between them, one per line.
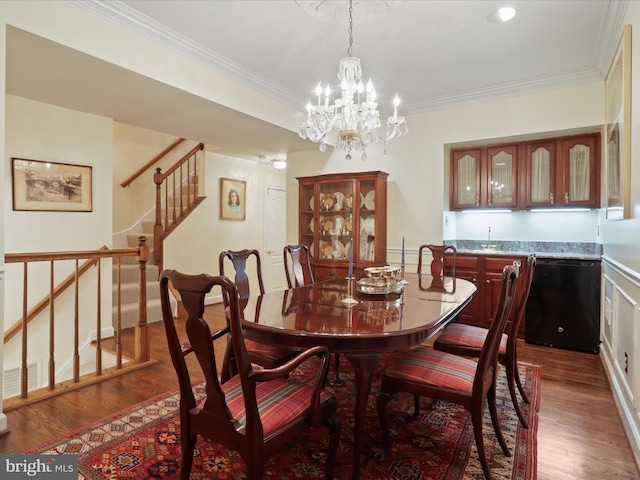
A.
pixel 363 365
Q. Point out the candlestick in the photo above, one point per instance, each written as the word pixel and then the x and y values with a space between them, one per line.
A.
pixel 402 262
pixel 351 258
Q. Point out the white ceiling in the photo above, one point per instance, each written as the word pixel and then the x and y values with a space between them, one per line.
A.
pixel 433 53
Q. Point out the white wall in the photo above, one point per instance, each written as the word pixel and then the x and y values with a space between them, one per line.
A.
pixel 620 323
pixel 38 131
pixel 3 417
pixel 195 246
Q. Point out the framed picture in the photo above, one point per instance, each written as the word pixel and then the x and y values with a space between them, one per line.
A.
pixel 50 186
pixel 232 199
pixel 618 130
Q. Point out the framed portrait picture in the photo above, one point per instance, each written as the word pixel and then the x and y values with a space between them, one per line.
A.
pixel 233 197
pixel 50 186
pixel 618 130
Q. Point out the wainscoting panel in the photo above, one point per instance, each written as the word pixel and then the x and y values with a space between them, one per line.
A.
pixel 620 349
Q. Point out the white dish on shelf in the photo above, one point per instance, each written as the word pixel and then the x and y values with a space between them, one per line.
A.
pixel 370 200
pixel 361 200
pixel 311 204
pixel 369 225
pixel 348 201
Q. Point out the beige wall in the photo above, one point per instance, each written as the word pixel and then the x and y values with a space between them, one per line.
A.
pixel 45 132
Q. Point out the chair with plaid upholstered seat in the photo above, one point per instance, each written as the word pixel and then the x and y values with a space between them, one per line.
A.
pixel 257 411
pixel 426 372
pixel 467 340
pixel 269 356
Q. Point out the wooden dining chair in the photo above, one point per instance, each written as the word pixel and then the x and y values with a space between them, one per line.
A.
pixel 297 269
pixel 297 265
pixel 438 253
pixel 269 356
pixel 426 372
pixel 257 411
pixel 467 340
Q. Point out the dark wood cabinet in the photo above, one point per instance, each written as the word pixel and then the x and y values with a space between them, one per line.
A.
pixel 548 173
pixel 340 210
pixel 563 173
pixel 484 177
pixel 485 271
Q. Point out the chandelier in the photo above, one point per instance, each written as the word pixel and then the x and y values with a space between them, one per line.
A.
pixel 354 115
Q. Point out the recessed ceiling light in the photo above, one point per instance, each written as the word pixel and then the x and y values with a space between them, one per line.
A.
pixel 502 15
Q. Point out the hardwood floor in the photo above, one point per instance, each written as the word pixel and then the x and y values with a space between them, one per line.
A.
pixel 580 435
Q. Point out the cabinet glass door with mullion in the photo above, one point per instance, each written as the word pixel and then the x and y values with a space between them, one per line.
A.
pixel 502 178
pixel 465 172
pixel 580 173
pixel 540 175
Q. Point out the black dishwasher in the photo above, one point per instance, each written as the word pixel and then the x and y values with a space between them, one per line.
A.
pixel 563 309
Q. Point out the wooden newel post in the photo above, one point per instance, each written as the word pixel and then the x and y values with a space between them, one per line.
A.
pixel 142 342
pixel 158 228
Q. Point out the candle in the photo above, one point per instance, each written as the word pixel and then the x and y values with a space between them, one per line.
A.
pixel 403 250
pixel 351 258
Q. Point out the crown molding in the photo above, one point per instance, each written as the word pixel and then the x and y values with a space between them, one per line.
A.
pixel 121 14
pixel 124 16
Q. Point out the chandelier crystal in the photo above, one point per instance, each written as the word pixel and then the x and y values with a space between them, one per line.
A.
pixel 354 115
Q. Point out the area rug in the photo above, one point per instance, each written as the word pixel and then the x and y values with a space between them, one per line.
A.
pixel 144 442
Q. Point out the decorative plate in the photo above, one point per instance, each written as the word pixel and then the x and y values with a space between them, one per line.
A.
pixel 348 200
pixel 370 225
pixel 311 203
pixel 328 201
pixel 327 224
pixel 370 200
pixel 327 250
pixel 348 225
pixel 361 200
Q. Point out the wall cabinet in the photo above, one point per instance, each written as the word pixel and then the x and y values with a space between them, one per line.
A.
pixel 484 177
pixel 563 173
pixel 340 210
pixel 547 173
pixel 485 272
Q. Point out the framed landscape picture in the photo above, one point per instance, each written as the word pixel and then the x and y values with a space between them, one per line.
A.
pixel 618 130
pixel 232 199
pixel 50 186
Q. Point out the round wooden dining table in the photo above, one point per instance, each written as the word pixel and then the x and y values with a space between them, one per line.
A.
pixel 318 314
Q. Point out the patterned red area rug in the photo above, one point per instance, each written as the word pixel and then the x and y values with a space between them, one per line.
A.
pixel 143 442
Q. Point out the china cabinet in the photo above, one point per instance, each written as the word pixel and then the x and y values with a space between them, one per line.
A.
pixel 343 215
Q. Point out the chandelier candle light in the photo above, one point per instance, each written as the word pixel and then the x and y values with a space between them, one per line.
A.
pixel 356 119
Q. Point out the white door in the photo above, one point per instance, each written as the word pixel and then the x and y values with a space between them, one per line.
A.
pixel 275 218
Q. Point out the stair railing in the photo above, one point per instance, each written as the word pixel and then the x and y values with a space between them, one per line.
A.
pixel 93 258
pixel 151 163
pixel 173 187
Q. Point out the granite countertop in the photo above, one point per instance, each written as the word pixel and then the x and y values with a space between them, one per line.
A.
pixel 560 250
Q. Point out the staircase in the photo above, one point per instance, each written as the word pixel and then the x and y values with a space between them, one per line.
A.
pixel 129 272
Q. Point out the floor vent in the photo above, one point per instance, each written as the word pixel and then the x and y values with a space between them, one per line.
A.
pixel 12 380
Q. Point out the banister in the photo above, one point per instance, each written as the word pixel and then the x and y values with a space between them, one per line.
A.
pixel 44 303
pixel 159 177
pixel 151 163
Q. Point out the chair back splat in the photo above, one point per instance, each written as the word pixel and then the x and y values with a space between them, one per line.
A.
pixel 438 253
pixel 297 265
pixel 256 412
pixel 269 356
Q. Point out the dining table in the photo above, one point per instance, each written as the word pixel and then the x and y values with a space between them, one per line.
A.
pixel 362 326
